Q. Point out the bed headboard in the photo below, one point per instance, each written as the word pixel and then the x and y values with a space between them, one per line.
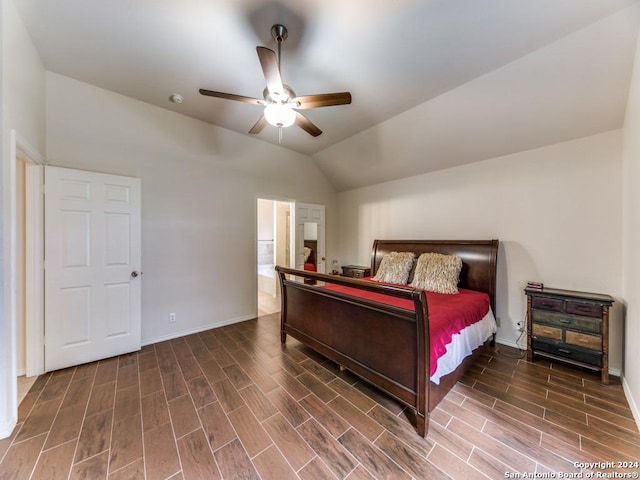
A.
pixel 479 259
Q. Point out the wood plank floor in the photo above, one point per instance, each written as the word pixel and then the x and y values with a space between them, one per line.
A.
pixel 231 403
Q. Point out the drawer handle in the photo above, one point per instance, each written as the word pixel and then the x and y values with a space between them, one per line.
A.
pixel 547 304
pixel 583 307
pixel 565 321
pixel 564 351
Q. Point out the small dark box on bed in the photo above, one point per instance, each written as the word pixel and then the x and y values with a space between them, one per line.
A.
pixel 356 271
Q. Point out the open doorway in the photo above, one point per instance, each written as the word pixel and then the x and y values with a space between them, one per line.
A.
pixel 24 382
pixel 273 248
pixel 23 272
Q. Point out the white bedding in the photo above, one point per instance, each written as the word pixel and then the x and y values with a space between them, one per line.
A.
pixel 462 344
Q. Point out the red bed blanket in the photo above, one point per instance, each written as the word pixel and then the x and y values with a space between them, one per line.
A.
pixel 448 314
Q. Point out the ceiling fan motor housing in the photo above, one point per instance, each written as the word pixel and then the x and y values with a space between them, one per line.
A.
pixel 288 95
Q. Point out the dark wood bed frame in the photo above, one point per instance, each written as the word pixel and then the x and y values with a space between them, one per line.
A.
pixel 385 345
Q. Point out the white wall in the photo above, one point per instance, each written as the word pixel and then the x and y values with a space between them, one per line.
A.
pixel 8 407
pixel 266 220
pixel 631 240
pixel 22 100
pixel 556 211
pixel 199 189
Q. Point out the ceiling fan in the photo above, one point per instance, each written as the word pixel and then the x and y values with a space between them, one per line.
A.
pixel 280 101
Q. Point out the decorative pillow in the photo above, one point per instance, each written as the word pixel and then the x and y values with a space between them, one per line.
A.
pixel 395 268
pixel 438 273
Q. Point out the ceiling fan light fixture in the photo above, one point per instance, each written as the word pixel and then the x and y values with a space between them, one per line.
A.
pixel 279 115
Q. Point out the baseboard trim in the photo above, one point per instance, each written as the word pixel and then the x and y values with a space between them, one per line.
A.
pixel 635 411
pixel 202 328
pixel 7 429
pixel 510 343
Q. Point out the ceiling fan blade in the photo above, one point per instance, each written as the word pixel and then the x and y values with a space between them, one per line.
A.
pixel 271 70
pixel 231 96
pixel 259 125
pixel 323 100
pixel 305 124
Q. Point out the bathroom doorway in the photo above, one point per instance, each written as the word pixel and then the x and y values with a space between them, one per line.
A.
pixel 273 248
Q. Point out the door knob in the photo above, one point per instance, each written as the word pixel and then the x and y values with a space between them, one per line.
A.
pixel 134 274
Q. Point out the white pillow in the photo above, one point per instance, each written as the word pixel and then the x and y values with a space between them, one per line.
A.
pixel 395 268
pixel 438 273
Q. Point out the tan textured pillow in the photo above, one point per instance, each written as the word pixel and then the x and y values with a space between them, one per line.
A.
pixel 395 268
pixel 438 273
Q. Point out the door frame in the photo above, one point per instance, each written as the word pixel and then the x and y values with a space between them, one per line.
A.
pixel 17 146
pixel 34 269
pixel 34 255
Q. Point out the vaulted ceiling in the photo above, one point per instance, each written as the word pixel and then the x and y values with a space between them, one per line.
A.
pixel 435 83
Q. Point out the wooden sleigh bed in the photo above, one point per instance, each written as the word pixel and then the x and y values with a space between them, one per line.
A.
pixel 385 345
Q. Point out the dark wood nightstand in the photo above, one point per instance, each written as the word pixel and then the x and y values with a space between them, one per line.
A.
pixel 569 326
pixel 355 271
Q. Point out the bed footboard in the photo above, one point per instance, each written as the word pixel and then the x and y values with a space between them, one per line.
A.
pixel 383 344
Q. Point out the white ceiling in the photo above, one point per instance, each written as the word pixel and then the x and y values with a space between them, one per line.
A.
pixel 454 81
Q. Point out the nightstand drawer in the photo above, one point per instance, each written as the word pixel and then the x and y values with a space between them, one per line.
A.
pixel 567 351
pixel 565 321
pixel 586 309
pixel 552 304
pixel 547 332
pixel 592 342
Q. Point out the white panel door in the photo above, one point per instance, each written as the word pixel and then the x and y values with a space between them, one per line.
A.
pixel 92 266
pixel 309 221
